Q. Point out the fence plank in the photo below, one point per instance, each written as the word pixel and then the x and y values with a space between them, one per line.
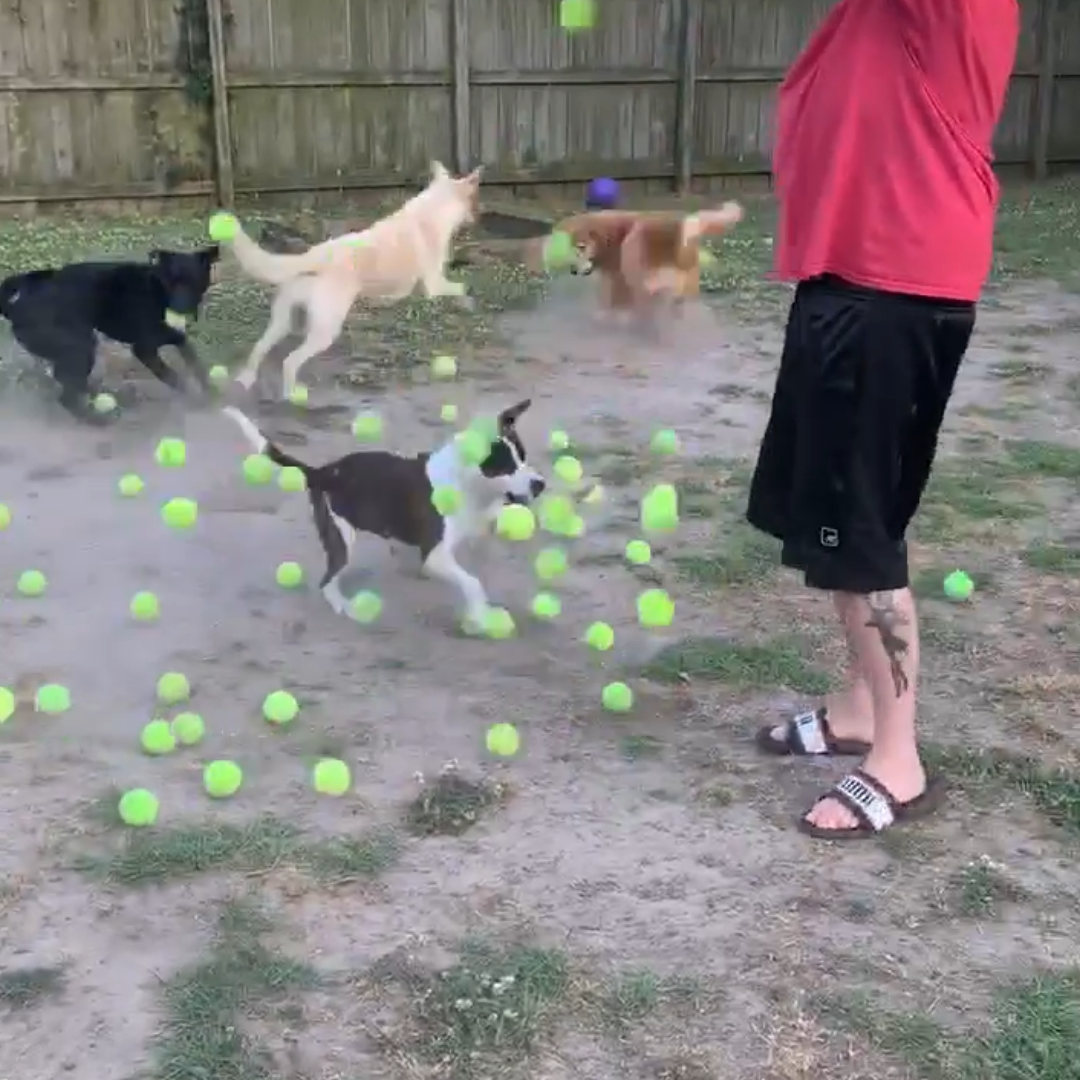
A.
pixel 223 160
pixel 689 31
pixel 460 47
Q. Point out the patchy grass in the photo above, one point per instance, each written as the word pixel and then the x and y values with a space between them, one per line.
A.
pixel 1030 225
pixel 979 889
pixel 22 988
pixel 1049 558
pixel 747 559
pixel 451 804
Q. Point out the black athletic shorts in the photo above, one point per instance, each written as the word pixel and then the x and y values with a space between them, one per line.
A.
pixel 864 381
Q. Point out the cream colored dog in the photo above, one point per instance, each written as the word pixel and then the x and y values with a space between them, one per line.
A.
pixel 384 262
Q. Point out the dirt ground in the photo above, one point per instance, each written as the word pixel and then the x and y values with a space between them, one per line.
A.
pixel 627 896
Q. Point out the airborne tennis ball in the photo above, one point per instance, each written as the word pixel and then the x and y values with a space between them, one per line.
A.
pixel 180 513
pixel 473 448
pixel 555 511
pixel 52 699
pixel 175 319
pixel 446 499
pixel 550 563
pixel 171 453
pixel 577 14
pixel 258 469
pixel 172 688
pixel 665 441
pixel 130 485
pixel 655 608
pixel 516 522
pixel 138 807
pixel 502 740
pixel 331 777
pixel 448 413
pixel 559 250
pixel 7 704
pixel 188 728
pixel 298 395
pixel 218 375
pixel 280 707
pixel 5 517
pixel 575 527
pixel 546 605
pixel 145 607
pixel 290 575
pixel 104 403
pixel 558 441
pixel 600 636
pixel 291 479
pixel 568 469
pixel 367 427
pixel 638 552
pixel 706 259
pixel 959 586
pixel 594 495
pixel 660 509
pixel 617 697
pixel 222 779
pixel 366 606
pixel 223 227
pixel 158 738
pixel 443 367
pixel 31 583
pixel 499 624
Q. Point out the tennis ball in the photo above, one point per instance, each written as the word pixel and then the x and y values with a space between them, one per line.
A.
pixel 222 779
pixel 223 227
pixel 617 697
pixel 555 511
pixel 130 485
pixel 660 509
pixel 664 441
pixel 367 427
pixel 595 495
pixel 503 740
pixel 575 527
pixel 638 552
pixel 706 259
pixel 298 395
pixel 550 563
pixel 218 375
pixel 7 704
pixel 546 605
pixel 31 583
pixel 291 479
pixel 331 777
pixel 655 608
pixel 258 469
pixel 446 499
pixel 5 517
pixel 600 636
pixel 559 250
pixel 516 522
pixel 104 403
pixel 499 624
pixel 138 807
pixel 175 320
pixel 172 688
pixel 188 728
pixel 145 607
pixel 558 440
pixel 577 14
pixel 443 367
pixel 448 413
pixel 280 707
pixel 171 453
pixel 366 606
pixel 959 586
pixel 568 469
pixel 158 738
pixel 180 513
pixel 290 575
pixel 52 699
pixel 473 448
pixel 486 426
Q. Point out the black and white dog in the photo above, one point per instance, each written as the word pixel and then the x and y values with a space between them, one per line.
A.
pixel 385 494
pixel 57 314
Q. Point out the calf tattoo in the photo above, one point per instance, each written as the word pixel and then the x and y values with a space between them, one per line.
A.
pixel 889 623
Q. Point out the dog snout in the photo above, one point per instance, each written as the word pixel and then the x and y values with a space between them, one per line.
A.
pixel 536 487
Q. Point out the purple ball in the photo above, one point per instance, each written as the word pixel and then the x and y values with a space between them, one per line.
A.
pixel 602 194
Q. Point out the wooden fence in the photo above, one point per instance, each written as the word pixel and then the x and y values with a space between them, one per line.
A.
pixel 135 99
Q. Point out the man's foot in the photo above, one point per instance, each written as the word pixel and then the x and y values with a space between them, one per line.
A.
pixel 809 734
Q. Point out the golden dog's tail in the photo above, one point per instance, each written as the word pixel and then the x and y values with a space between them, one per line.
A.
pixel 711 222
pixel 275 268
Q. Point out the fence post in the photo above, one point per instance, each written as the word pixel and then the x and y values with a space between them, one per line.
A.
pixel 459 81
pixel 223 172
pixel 689 24
pixel 1042 114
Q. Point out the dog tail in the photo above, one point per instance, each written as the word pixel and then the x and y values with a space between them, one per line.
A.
pixel 711 222
pixel 11 287
pixel 260 444
pixel 277 268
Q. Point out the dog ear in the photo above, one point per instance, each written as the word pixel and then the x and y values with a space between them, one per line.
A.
pixel 508 417
pixel 438 171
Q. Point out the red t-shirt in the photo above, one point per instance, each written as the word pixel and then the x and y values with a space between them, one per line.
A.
pixel 883 155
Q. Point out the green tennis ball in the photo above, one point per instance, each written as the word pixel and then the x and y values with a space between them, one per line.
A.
pixel 617 697
pixel 291 479
pixel 158 738
pixel 172 688
pixel 223 227
pixel 222 779
pixel 366 606
pixel 559 250
pixel 660 509
pixel 145 607
pixel 331 777
pixel 52 699
pixel 706 259
pixel 555 511
pixel 258 469
pixel 7 704
pixel 499 624
pixel 448 413
pixel 104 403
pixel 594 495
pixel 665 442
pixel 218 375
pixel 290 575
pixel 502 740
pixel 575 527
pixel 959 586
pixel 188 728
pixel 600 636
pixel 550 563
pixel 130 486
pixel 5 517
pixel 638 552
pixel 472 447
pixel 516 522
pixel 175 320
pixel 655 608
pixel 568 469
pixel 486 426
pixel 558 440
pixel 446 499
pixel 280 707
pixel 138 807
pixel 298 395
pixel 180 513
pixel 171 453
pixel 31 583
pixel 546 605
pixel 443 367
pixel 367 427
pixel 577 14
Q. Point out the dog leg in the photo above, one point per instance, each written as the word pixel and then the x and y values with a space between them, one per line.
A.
pixel 147 355
pixel 338 537
pixel 326 316
pixel 440 563
pixel 437 283
pixel 278 328
pixel 192 362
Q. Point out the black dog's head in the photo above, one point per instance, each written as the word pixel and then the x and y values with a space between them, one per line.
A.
pixel 185 276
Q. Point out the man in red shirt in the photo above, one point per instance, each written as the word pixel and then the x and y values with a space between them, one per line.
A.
pixel 887 198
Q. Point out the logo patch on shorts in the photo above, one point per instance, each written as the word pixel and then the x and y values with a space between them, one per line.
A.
pixel 829 538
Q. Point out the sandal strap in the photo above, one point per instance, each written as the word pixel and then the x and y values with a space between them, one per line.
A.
pixel 807 734
pixel 866 799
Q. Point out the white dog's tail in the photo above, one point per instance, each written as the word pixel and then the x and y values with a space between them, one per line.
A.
pixel 277 268
pixel 711 222
pixel 260 444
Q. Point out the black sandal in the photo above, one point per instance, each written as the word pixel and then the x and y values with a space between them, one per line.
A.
pixel 808 735
pixel 873 807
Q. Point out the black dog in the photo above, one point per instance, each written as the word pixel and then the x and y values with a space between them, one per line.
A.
pixel 57 315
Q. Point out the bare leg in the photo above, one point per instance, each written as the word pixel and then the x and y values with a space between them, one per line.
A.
pixel 851 709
